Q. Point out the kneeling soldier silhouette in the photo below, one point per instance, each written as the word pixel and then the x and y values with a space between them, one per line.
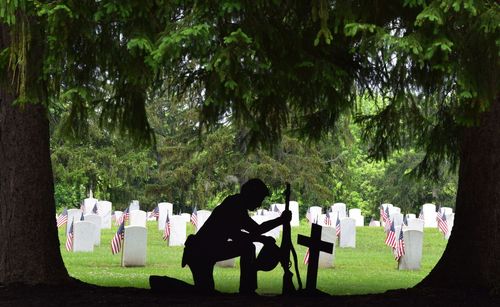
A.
pixel 230 232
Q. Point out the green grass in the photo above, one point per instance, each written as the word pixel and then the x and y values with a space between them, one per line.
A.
pixel 368 268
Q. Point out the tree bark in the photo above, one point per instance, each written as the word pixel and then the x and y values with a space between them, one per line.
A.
pixel 472 257
pixel 29 244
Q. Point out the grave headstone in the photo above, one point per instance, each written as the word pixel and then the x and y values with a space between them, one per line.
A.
pixel 97 220
pixel 164 208
pixel 327 260
pixel 73 214
pixel 134 205
pixel 413 250
pixel 393 210
pixel 134 246
pixel 186 217
pixel 355 213
pixel 88 204
pixel 104 211
pixel 83 236
pixel 374 223
pixel 397 218
pixel 177 231
pixel 447 210
pixel 202 216
pixel 450 219
pixel 429 211
pixel 314 213
pixel 411 216
pixel 137 218
pixel 415 224
pixel 341 208
pixel 347 232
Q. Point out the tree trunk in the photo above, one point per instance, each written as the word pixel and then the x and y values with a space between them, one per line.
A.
pixel 472 257
pixel 29 245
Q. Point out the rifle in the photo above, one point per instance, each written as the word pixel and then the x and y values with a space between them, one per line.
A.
pixel 286 248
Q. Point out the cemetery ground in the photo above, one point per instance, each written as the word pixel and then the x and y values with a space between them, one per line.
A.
pixel 365 275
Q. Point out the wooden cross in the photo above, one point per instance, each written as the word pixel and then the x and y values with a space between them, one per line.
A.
pixel 315 246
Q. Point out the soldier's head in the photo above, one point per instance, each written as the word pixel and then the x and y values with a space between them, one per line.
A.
pixel 253 193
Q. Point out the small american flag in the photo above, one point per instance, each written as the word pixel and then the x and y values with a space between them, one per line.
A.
pixel 166 232
pixel 123 217
pixel 194 217
pixel 69 238
pixel 441 221
pixel 155 212
pixel 337 225
pixel 95 210
pixel 62 218
pixel 390 240
pixel 328 220
pixel 306 257
pixel 400 246
pixel 116 242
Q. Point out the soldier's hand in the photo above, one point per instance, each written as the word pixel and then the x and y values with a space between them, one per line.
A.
pixel 286 216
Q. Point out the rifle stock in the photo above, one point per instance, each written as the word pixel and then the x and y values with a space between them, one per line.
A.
pixel 286 247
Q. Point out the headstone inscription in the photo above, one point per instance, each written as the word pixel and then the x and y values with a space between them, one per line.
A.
pixel 134 246
pixel 315 245
pixel 84 236
pixel 347 232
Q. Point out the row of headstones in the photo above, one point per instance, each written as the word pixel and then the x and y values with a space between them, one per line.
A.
pixel 337 209
pixel 428 221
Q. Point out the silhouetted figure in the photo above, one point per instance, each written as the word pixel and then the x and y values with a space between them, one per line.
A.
pixel 230 232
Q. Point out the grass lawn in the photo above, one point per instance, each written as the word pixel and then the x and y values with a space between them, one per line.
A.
pixel 368 268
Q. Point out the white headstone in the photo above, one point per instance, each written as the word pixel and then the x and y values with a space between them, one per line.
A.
pixel 294 207
pixel 415 224
pixel 73 214
pixel 177 231
pixel 393 210
pixel 397 218
pixel 202 216
pixel 413 250
pixel 355 213
pixel 314 213
pixel 186 217
pixel 429 211
pixel 341 208
pixel 97 220
pixel 347 232
pixel 137 218
pixel 104 211
pixel 374 223
pixel 327 260
pixel 387 205
pixel 134 205
pixel 164 209
pixel 134 246
pixel 447 210
pixel 88 204
pixel 83 236
pixel 410 216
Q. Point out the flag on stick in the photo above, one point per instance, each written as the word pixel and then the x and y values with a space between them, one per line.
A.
pixel 306 257
pixel 442 222
pixel 194 217
pixel 166 232
pixel 328 220
pixel 390 240
pixel 69 238
pixel 116 242
pixel 337 226
pixel 400 246
pixel 62 218
pixel 155 212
